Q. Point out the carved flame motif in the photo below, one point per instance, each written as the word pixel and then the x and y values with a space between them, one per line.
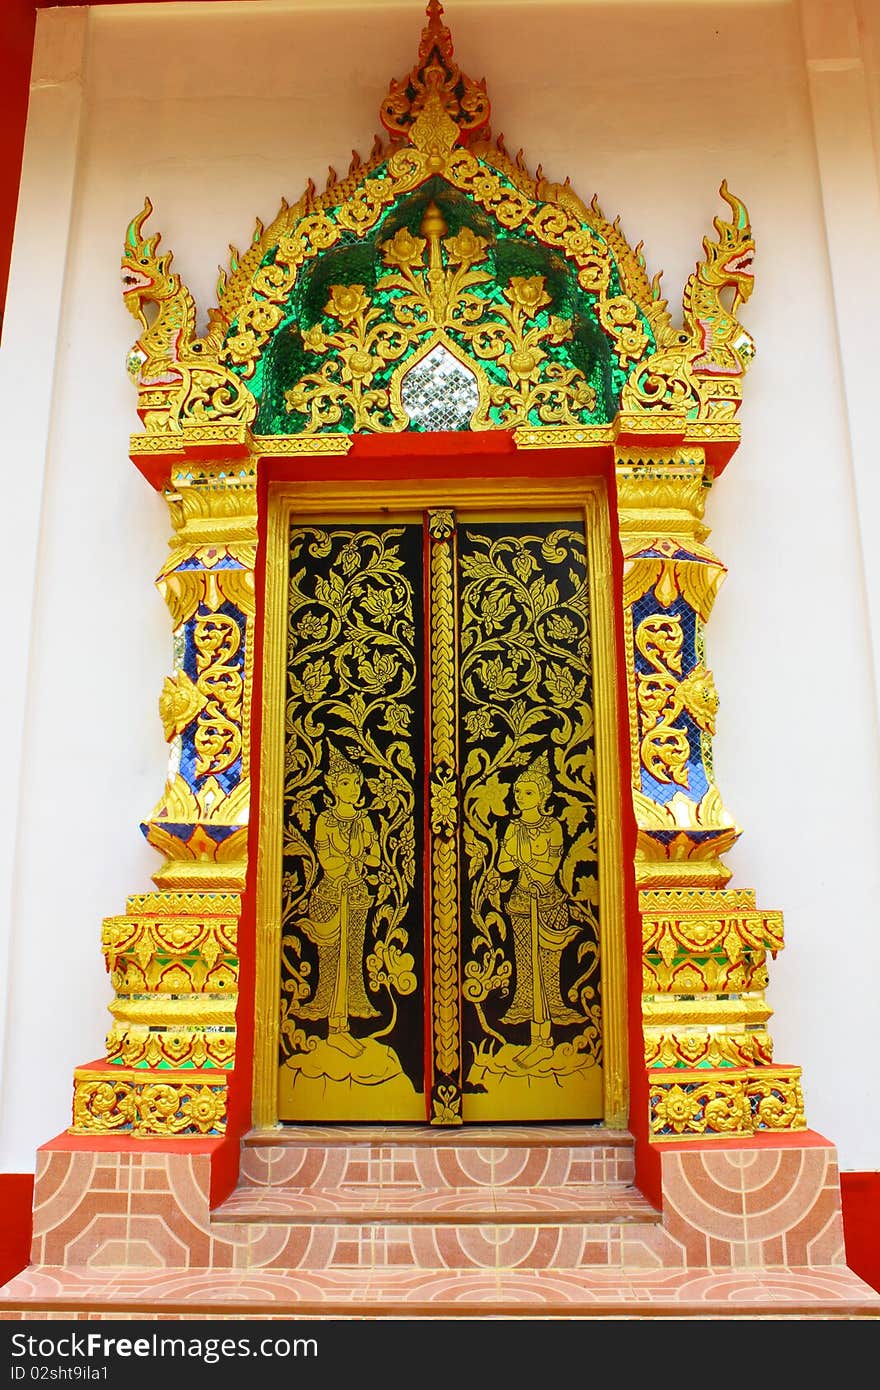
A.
pixel 436 94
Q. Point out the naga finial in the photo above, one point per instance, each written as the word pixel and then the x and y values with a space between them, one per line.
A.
pixel 437 82
pixel 729 259
pixel 145 274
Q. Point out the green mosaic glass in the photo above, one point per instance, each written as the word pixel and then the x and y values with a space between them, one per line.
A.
pixel 357 260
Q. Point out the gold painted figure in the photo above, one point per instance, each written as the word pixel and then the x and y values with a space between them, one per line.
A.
pixel 347 848
pixel 532 845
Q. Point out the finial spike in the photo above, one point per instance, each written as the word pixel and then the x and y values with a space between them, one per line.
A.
pixel 436 78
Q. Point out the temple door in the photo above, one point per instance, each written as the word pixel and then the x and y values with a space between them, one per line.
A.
pixel 439 885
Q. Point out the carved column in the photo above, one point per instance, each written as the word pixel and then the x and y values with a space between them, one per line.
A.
pixel 173 955
pixel 705 947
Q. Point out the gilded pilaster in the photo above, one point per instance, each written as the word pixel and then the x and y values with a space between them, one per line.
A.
pixel 173 956
pixel 704 947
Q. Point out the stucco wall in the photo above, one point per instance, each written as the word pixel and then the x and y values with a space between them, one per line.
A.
pixel 216 111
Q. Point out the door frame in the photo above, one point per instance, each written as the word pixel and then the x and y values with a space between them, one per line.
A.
pixel 308 500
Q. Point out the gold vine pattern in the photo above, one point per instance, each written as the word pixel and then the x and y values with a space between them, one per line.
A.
pixel 217 641
pixel 433 279
pixel 663 695
pixel 352 676
pixel 525 688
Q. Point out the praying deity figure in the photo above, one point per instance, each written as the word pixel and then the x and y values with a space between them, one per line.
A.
pixel 347 848
pixel 532 846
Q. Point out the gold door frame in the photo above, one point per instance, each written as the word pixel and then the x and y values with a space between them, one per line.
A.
pixel 312 499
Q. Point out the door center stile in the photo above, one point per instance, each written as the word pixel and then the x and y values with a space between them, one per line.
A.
pixel 444 812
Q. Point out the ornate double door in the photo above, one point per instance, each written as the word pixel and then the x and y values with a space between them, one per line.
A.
pixel 439 877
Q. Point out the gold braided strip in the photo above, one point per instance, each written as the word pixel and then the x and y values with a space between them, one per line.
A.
pixel 196 903
pixel 681 1011
pixel 445 957
pixel 444 943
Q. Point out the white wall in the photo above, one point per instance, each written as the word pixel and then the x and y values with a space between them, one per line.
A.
pixel 216 111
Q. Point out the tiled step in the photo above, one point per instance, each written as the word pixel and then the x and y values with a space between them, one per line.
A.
pixel 78 1293
pixel 482 1203
pixel 433 1158
pixel 418 1197
pixel 465 1228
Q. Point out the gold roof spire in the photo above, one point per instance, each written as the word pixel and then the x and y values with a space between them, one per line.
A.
pixel 436 105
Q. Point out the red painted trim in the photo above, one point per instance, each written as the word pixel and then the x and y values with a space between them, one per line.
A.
pixel 122 1143
pixel 450 456
pixel 860 1199
pixel 647 1160
pixel 16 1223
pixel 241 1078
pixel 427 884
pixel 786 1139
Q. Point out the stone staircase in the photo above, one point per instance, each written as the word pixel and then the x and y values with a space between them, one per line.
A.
pixel 413 1221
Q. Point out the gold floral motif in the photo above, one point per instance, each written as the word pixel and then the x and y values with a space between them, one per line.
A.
pixel 433 279
pixel 698 975
pixel 349 837
pixel 140 952
pixel 142 1046
pixel 141 1106
pixel 446 1106
pixel 691 1104
pixel 179 704
pixel 733 932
